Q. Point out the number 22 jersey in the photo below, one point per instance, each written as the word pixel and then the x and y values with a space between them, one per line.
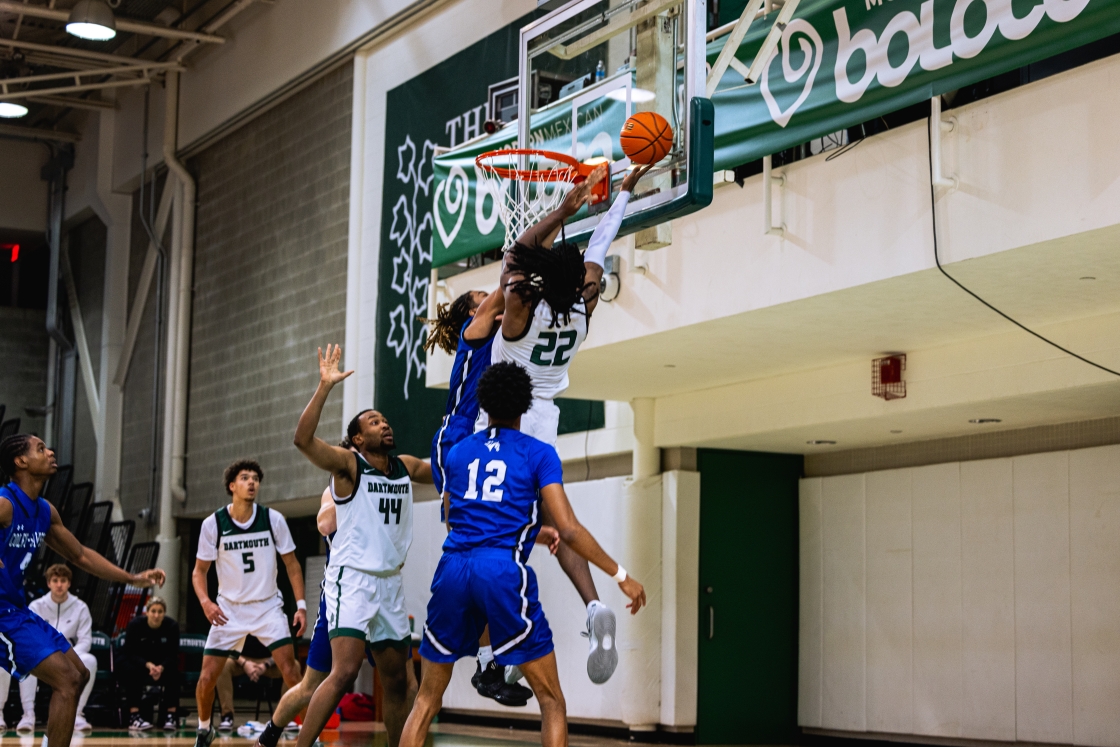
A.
pixel 545 350
pixel 495 477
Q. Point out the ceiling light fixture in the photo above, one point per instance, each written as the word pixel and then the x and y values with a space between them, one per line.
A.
pixel 821 442
pixel 93 20
pixel 985 421
pixel 12 110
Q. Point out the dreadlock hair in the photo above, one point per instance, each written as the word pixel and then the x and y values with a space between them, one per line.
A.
pixel 555 276
pixel 11 448
pixel 505 391
pixel 353 429
pixel 235 469
pixel 450 318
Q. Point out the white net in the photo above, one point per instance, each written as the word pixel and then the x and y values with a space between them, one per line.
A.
pixel 523 202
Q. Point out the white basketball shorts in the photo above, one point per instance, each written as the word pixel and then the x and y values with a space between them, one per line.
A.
pixel 264 619
pixel 367 606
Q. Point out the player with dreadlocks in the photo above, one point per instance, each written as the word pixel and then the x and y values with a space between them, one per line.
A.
pixel 549 292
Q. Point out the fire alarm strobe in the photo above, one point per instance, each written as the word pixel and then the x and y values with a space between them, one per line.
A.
pixel 886 377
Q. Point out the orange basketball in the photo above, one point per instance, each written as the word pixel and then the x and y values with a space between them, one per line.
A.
pixel 646 137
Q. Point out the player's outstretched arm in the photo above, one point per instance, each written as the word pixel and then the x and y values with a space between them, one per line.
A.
pixel 487 313
pixel 575 536
pixel 66 544
pixel 605 233
pixel 333 459
pixel 419 470
pixel 295 575
pixel 213 612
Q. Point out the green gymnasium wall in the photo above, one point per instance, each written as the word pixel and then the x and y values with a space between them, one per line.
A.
pixel 748 606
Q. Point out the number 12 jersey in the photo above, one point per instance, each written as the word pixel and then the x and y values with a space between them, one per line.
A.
pixel 494 478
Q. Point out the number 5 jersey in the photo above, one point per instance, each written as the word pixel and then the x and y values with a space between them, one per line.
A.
pixel 245 554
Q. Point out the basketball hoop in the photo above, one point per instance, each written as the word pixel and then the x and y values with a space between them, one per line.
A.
pixel 527 184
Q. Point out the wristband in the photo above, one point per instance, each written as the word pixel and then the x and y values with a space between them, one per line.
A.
pixel 620 576
pixel 301 605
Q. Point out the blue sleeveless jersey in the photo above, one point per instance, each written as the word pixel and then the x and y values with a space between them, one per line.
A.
pixel 31 518
pixel 472 358
pixel 494 478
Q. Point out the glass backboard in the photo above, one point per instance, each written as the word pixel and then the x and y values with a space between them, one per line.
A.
pixel 590 64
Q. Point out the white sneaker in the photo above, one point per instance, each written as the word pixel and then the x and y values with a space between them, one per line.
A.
pixel 603 656
pixel 26 724
pixel 3 725
pixel 292 726
pixel 80 724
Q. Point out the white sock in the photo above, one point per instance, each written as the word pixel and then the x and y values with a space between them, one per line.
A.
pixel 485 655
pixel 204 723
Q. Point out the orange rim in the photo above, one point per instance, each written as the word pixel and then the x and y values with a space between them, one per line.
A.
pixel 573 171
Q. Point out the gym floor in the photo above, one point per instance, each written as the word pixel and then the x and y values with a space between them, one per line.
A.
pixel 349 735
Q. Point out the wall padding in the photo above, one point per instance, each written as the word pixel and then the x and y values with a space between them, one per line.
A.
pixel 975 600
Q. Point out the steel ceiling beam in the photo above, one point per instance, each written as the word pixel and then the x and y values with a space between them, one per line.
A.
pixel 37 134
pixel 77 75
pixel 74 89
pixel 123 24
pixel 72 103
pixel 84 54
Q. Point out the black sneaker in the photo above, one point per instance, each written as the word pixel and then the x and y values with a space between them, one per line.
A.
pixel 491 683
pixel 205 737
pixel 170 722
pixel 226 724
pixel 137 723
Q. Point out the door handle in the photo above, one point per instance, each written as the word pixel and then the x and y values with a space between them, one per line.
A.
pixel 711 623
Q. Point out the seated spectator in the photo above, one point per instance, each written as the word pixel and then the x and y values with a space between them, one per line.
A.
pixel 151 660
pixel 254 662
pixel 70 617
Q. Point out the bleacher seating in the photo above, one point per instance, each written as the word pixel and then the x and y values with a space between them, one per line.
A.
pixel 9 428
pixel 93 532
pixel 127 600
pixel 97 590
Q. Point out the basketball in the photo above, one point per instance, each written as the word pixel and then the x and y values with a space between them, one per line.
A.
pixel 646 137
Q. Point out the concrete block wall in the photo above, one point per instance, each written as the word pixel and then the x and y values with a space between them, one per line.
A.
pixel 23 379
pixel 270 287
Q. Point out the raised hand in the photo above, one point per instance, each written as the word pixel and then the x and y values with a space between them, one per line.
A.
pixel 580 194
pixel 328 365
pixel 631 179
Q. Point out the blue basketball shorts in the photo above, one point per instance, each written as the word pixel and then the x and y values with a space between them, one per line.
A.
pixel 485 585
pixel 26 640
pixel 319 655
pixel 452 430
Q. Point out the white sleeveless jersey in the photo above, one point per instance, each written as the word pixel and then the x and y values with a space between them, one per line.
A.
pixel 375 523
pixel 545 351
pixel 245 559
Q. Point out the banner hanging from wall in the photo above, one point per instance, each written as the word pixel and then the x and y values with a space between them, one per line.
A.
pixel 838 64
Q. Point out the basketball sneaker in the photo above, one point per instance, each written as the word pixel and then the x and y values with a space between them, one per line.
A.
pixel 491 683
pixel 602 659
pixel 80 723
pixel 170 722
pixel 26 724
pixel 226 724
pixel 137 723
pixel 205 737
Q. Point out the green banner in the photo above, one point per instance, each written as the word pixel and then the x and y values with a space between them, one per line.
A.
pixel 838 64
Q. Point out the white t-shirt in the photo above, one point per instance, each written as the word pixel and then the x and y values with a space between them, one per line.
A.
pixel 245 552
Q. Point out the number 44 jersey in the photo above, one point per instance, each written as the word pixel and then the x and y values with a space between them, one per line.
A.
pixel 495 478
pixel 545 350
pixel 375 521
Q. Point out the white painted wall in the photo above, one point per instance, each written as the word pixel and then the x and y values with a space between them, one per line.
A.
pixel 651 528
pixel 23 195
pixel 976 600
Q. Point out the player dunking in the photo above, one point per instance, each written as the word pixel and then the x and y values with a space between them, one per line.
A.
pixel 549 294
pixel 244 539
pixel 372 492
pixel 499 480
pixel 28 645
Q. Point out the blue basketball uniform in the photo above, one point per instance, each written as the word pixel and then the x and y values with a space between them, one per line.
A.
pixel 319 654
pixel 25 638
pixel 472 358
pixel 494 478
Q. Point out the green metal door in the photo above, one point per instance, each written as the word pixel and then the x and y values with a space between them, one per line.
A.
pixel 747 686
